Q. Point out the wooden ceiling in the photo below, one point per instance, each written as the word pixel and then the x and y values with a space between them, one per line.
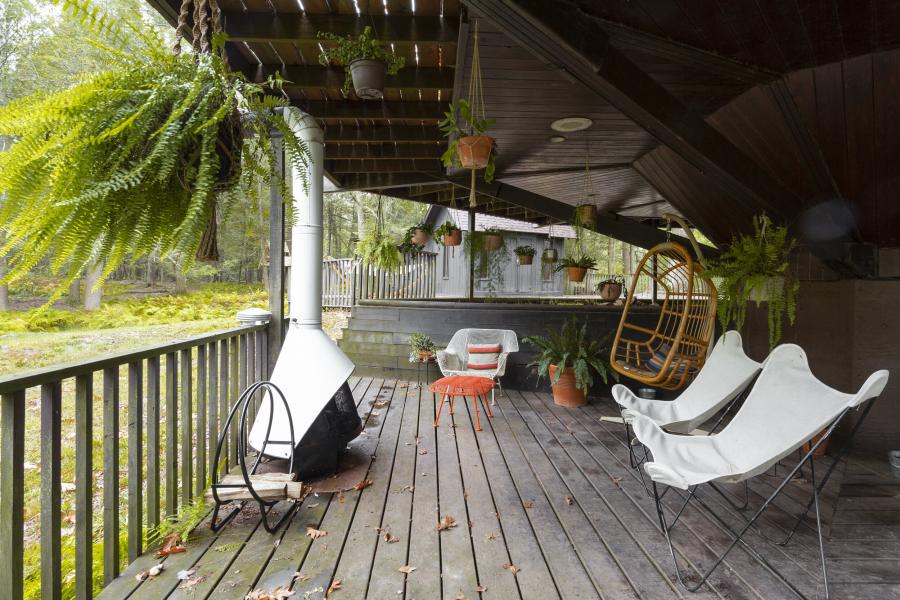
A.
pixel 716 110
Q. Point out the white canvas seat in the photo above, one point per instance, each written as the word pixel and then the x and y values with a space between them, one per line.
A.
pixel 453 359
pixel 787 406
pixel 727 372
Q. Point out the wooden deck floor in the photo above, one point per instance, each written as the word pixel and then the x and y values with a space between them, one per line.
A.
pixel 545 507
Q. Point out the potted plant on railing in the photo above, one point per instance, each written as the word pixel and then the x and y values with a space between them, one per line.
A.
pixel 755 268
pixel 576 267
pixel 448 234
pixel 610 289
pixel 366 62
pixel 570 360
pixel 421 348
pixel 137 158
pixel 525 254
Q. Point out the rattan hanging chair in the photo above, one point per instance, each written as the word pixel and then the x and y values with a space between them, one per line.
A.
pixel 670 355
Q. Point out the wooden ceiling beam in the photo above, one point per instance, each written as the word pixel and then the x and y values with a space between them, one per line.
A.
pixel 318 77
pixel 359 152
pixel 373 111
pixel 293 27
pixel 387 165
pixel 570 39
pixel 610 224
pixel 380 181
pixel 408 134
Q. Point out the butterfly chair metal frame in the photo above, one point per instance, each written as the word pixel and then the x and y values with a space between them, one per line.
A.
pixel 268 391
pixel 670 355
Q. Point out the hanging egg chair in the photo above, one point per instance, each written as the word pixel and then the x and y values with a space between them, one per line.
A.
pixel 670 355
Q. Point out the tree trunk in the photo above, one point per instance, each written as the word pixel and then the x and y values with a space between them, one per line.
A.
pixel 93 293
pixel 4 289
pixel 180 280
pixel 75 292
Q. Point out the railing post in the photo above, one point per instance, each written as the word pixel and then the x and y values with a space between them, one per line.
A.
pixel 171 434
pixel 12 492
pixel 51 455
pixel 153 511
pixel 200 427
pixel 84 486
pixel 187 480
pixel 135 462
pixel 213 428
pixel 110 474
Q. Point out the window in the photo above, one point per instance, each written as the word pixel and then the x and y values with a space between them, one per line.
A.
pixel 445 266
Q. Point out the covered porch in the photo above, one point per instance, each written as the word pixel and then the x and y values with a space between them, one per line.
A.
pixel 544 505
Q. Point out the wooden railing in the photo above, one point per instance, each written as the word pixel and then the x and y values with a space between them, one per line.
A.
pixel 177 397
pixel 346 280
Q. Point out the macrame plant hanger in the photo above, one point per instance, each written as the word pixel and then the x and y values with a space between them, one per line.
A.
pixel 476 101
pixel 207 24
pixel 588 189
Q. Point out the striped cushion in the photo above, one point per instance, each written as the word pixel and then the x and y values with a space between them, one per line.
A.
pixel 483 357
pixel 656 362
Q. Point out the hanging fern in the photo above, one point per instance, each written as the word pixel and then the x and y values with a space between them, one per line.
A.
pixel 134 158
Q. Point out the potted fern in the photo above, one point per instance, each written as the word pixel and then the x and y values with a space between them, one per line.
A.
pixel 576 267
pixel 525 254
pixel 379 250
pixel 421 347
pixel 610 289
pixel 136 158
pixel 570 360
pixel 366 62
pixel 755 268
pixel 448 234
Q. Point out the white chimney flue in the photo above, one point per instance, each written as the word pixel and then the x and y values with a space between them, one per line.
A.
pixel 310 368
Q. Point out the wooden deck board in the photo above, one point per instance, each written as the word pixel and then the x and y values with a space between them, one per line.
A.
pixel 507 487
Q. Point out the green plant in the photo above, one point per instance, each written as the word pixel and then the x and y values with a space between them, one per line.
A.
pixel 448 228
pixel 753 265
pixel 491 264
pixel 136 158
pixel 458 122
pixel 582 262
pixel 350 48
pixel 613 279
pixel 187 519
pixel 380 250
pixel 524 251
pixel 571 348
pixel 420 342
pixel 408 246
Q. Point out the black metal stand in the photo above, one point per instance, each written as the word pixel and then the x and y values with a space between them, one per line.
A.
pixel 268 391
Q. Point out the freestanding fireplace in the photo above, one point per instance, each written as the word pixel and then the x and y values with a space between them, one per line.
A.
pixel 311 370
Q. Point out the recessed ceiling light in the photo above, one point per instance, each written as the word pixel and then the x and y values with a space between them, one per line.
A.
pixel 557 139
pixel 570 124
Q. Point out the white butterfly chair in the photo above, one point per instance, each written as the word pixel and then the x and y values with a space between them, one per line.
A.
pixel 785 409
pixel 453 359
pixel 724 377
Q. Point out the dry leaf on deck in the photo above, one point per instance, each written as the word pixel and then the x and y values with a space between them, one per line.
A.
pixel 315 533
pixel 335 586
pixel 528 504
pixel 390 539
pixel 189 583
pixel 406 569
pixel 490 536
pixel 616 480
pixel 362 484
pixel 171 545
pixel 480 588
pixel 511 568
pixel 446 523
pixel 186 573
pixel 301 577
pixel 423 451
pixel 461 597
pixel 279 593
pixel 150 573
pixel 569 500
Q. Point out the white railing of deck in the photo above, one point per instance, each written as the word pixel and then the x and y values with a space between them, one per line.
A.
pixel 346 280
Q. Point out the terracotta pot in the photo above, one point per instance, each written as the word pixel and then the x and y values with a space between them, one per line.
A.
pixel 549 255
pixel 576 274
pixel 823 447
pixel 764 291
pixel 453 239
pixel 474 151
pixel 368 78
pixel 564 391
pixel 492 241
pixel 525 259
pixel 420 237
pixel 610 292
pixel 586 215
pixel 425 355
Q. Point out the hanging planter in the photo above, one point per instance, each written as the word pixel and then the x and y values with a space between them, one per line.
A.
pixel 610 289
pixel 449 234
pixel 493 240
pixel 418 235
pixel 524 254
pixel 366 63
pixel 549 255
pixel 586 216
pixel 576 267
pixel 379 249
pixel 466 126
pixel 158 133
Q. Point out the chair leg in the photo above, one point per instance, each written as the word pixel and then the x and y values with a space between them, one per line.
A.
pixel 477 417
pixel 451 404
pixel 440 406
pixel 487 407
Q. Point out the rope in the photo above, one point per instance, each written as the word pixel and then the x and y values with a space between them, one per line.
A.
pixel 476 102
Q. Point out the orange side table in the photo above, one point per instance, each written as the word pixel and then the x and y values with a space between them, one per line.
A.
pixel 464 387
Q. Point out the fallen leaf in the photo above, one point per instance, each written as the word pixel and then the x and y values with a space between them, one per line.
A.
pixel 406 569
pixel 171 545
pixel 511 568
pixel 390 539
pixel 616 480
pixel 341 497
pixel 480 588
pixel 301 577
pixel 402 386
pixel 335 586
pixel 461 597
pixel 446 523
pixel 568 500
pixel 315 533
pixel 490 536
pixel 279 593
pixel 186 573
pixel 409 488
pixel 528 504
pixel 150 573
pixel 362 484
pixel 189 583
pixel 423 451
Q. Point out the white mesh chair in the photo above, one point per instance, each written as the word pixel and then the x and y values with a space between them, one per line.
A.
pixel 453 359
pixel 785 409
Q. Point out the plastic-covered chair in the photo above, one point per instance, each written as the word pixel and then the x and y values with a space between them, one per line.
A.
pixel 453 359
pixel 786 408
